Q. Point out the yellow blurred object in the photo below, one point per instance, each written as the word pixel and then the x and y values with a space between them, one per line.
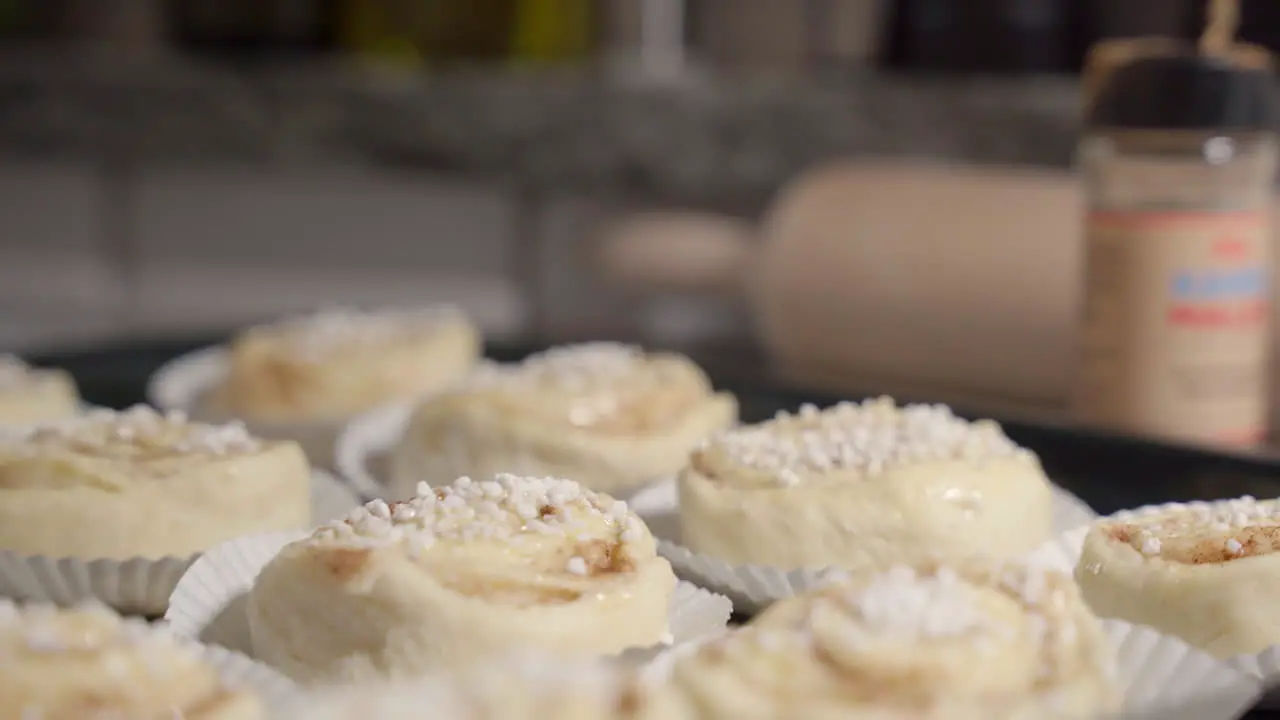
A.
pixel 551 30
pixel 366 29
pixel 417 32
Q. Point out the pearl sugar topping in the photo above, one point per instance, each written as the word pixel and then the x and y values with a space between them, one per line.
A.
pixel 870 437
pixel 574 368
pixel 142 425
pixel 906 606
pixel 46 629
pixel 900 603
pixel 331 329
pixel 504 508
pixel 1226 517
pixel 90 633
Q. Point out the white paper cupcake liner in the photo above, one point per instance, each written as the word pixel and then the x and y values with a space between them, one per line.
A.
pixel 208 603
pixel 361 451
pixel 185 382
pixel 1264 665
pixel 137 586
pixel 240 671
pixel 754 587
pixel 1162 677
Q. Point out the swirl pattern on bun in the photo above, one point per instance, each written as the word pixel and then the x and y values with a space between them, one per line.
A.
pixel 136 483
pixel 1206 572
pixel 340 362
pixel 863 487
pixel 458 574
pixel 606 415
pixel 30 396
pixel 973 643
pixel 89 663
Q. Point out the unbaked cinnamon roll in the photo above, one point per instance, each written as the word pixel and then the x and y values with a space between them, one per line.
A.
pixel 139 484
pixel 527 687
pixel 606 415
pixel 88 663
pixel 1206 572
pixel 458 574
pixel 29 396
pixel 863 487
pixel 338 363
pixel 972 643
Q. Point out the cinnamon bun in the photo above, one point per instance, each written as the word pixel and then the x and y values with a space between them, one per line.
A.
pixel 30 396
pixel 128 484
pixel 932 643
pixel 863 487
pixel 337 363
pixel 89 663
pixel 606 415
pixel 1206 572
pixel 525 687
pixel 458 574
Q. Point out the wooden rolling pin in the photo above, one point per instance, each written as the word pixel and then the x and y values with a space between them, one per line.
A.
pixel 957 283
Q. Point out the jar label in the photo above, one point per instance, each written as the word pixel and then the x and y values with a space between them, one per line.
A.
pixel 1175 338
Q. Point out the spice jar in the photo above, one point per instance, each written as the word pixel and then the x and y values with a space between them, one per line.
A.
pixel 1179 157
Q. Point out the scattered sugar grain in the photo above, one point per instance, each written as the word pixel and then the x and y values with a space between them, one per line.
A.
pixel 143 425
pixel 505 508
pixel 871 437
pixel 320 334
pixel 1151 546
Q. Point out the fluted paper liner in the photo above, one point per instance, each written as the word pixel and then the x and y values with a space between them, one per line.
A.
pixel 241 671
pixel 1162 677
pixel 1064 552
pixel 208 603
pixel 754 587
pixel 137 586
pixel 363 446
pixel 1264 665
pixel 185 382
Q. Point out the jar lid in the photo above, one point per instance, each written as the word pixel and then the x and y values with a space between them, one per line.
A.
pixel 1186 91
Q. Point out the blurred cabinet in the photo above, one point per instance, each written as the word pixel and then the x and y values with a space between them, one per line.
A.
pixel 203 248
pixel 51 251
pixel 801 34
pixel 216 246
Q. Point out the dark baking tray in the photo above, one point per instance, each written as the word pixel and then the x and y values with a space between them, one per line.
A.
pixel 1110 472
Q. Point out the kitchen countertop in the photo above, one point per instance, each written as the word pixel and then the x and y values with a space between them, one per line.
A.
pixel 705 138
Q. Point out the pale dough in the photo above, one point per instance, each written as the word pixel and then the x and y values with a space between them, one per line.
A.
pixel 89 663
pixel 338 363
pixel 30 396
pixel 606 415
pixel 863 487
pixel 1208 573
pixel 523 687
pixel 139 484
pixel 461 574
pixel 978 642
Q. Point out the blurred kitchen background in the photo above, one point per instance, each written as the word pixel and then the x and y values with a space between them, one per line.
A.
pixel 568 169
